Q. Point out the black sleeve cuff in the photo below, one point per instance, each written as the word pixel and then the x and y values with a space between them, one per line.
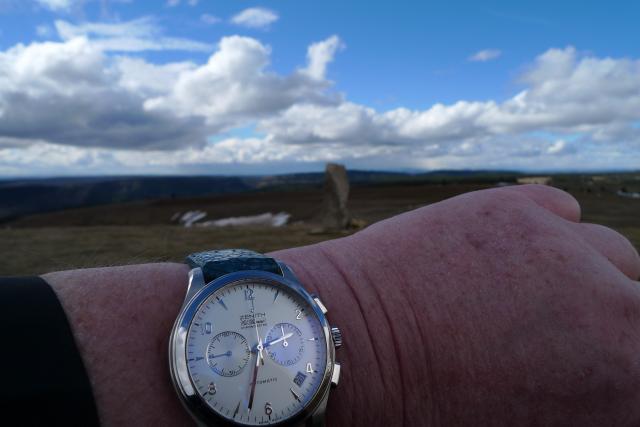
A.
pixel 44 381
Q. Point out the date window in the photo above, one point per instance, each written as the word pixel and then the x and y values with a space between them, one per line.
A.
pixel 299 379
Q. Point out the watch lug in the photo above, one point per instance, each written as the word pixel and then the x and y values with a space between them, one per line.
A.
pixel 287 272
pixel 196 282
pixel 317 419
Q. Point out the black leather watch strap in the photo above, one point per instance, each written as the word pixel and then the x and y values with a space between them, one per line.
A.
pixel 215 264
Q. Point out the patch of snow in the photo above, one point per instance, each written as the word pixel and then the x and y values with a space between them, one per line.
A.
pixel 266 219
pixel 189 218
pixel 630 195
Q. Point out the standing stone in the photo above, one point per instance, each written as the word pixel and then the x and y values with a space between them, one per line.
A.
pixel 335 215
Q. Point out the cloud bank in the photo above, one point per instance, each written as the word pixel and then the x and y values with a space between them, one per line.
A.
pixel 74 106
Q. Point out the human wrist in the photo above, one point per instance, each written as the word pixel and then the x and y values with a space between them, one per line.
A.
pixel 370 392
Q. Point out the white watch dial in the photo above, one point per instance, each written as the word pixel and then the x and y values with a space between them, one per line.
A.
pixel 256 352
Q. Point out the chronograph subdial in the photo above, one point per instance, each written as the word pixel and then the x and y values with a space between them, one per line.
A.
pixel 285 344
pixel 228 353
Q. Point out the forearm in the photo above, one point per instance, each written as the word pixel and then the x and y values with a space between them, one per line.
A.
pixel 122 316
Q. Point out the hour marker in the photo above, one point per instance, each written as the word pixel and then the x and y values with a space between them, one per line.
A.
pixel 312 339
pixel 276 295
pixel 199 358
pixel 236 411
pixel 310 368
pixel 248 294
pixel 298 314
pixel 295 394
pixel 267 409
pixel 222 303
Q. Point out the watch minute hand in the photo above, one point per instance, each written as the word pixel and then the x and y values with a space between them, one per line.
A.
pixel 253 382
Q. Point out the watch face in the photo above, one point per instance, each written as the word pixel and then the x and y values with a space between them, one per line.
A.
pixel 256 352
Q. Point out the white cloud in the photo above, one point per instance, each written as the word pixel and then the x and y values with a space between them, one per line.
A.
pixel 44 31
pixel 320 54
pixel 229 155
pixel 345 123
pixel 255 17
pixel 141 27
pixel 235 87
pixel 559 147
pixel 130 36
pixel 72 94
pixel 173 3
pixel 485 55
pixel 57 5
pixel 139 76
pixel 209 19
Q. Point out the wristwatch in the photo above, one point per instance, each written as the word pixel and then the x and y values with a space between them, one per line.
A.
pixel 250 345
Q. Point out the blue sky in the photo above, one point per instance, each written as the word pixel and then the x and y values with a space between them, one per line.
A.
pixel 111 87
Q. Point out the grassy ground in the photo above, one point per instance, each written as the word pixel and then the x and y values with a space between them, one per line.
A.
pixel 60 248
pixel 114 235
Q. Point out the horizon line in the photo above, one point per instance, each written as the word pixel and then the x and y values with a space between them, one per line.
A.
pixel 321 171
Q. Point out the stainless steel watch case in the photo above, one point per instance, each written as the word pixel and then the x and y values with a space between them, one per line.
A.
pixel 198 291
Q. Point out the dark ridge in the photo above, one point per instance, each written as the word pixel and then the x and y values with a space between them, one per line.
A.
pixel 25 196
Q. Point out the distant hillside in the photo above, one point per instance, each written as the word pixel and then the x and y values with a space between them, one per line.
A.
pixel 19 197
pixel 22 197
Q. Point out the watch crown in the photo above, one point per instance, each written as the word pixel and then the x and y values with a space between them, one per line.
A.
pixel 337 337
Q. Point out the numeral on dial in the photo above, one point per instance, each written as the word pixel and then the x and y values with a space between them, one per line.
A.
pixel 310 368
pixel 248 294
pixel 206 328
pixel 298 314
pixel 212 388
pixel 267 409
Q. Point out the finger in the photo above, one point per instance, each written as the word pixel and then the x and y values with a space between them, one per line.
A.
pixel 613 246
pixel 553 199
